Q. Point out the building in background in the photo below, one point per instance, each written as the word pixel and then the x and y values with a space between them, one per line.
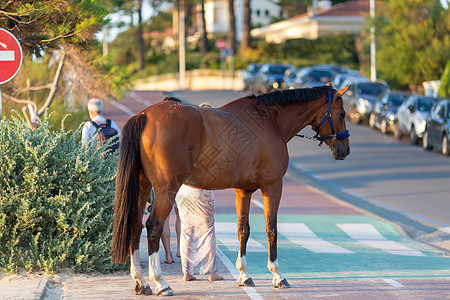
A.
pixel 216 14
pixel 345 17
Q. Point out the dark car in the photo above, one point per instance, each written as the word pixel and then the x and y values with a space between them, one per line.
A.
pixel 384 112
pixel 411 117
pixel 437 128
pixel 270 77
pixel 250 74
pixel 361 97
pixel 313 76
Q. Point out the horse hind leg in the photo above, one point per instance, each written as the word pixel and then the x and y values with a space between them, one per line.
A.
pixel 242 209
pixel 271 203
pixel 160 210
pixel 142 287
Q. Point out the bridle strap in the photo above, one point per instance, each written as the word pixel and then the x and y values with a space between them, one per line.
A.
pixel 338 136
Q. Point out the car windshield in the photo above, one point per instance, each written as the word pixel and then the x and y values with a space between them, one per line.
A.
pixel 424 104
pixel 371 88
pixel 319 76
pixel 277 69
pixel 254 68
pixel 397 99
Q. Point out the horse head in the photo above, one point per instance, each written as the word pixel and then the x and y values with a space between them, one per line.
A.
pixel 329 124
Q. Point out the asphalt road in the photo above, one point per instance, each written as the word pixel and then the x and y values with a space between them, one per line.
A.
pixel 392 179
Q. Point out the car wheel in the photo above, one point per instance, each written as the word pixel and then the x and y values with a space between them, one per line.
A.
pixel 397 132
pixel 444 145
pixel 426 141
pixel 383 126
pixel 354 116
pixel 372 121
pixel 414 139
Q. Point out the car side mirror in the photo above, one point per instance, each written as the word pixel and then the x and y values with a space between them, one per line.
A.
pixel 411 108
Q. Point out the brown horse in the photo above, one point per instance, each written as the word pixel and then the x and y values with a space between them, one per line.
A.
pixel 241 145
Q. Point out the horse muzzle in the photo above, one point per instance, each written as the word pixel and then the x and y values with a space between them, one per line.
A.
pixel 340 151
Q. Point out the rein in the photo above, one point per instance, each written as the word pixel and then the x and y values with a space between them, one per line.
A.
pixel 338 136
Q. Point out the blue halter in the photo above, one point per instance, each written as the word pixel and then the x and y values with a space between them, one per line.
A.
pixel 338 136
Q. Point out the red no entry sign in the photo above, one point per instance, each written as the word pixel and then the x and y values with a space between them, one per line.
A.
pixel 221 44
pixel 10 56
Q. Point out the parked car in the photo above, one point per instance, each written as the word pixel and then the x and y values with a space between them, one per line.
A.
pixel 384 112
pixel 411 117
pixel 289 78
pixel 361 97
pixel 249 75
pixel 269 77
pixel 339 78
pixel 437 128
pixel 313 76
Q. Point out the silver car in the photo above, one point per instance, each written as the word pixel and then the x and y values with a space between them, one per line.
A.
pixel 411 117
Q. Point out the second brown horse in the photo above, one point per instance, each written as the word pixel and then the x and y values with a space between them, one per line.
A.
pixel 241 145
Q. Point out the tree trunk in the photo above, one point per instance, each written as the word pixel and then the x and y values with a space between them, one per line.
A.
pixel 245 42
pixel 204 45
pixel 140 40
pixel 232 27
pixel 54 88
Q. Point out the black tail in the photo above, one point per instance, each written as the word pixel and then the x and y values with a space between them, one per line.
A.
pixel 126 206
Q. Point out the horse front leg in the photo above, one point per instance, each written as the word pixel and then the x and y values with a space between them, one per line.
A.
pixel 154 224
pixel 272 196
pixel 242 199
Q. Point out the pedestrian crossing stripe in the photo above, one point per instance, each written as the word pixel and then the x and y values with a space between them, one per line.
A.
pixel 300 234
pixel 322 234
pixel 318 248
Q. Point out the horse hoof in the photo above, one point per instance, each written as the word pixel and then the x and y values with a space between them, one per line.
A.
pixel 282 284
pixel 165 292
pixel 143 290
pixel 247 282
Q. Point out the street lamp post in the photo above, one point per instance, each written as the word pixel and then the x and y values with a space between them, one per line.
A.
pixel 373 54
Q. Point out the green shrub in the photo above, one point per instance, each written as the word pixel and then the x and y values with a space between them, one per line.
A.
pixel 56 199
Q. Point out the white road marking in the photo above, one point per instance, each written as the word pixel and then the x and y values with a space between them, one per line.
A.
pixel 300 234
pixel 251 292
pixel 366 234
pixel 393 282
pixel 445 229
pixel 258 203
pixel 140 99
pixel 226 233
pixel 122 107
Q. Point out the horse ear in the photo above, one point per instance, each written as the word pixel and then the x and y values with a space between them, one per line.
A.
pixel 342 91
pixel 329 84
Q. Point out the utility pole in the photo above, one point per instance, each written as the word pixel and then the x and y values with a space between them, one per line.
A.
pixel 373 53
pixel 182 46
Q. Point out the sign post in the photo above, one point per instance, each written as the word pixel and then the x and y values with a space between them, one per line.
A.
pixel 10 58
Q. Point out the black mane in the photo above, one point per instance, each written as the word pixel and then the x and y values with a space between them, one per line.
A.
pixel 170 98
pixel 282 97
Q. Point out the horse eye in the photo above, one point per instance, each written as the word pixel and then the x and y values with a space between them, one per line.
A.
pixel 342 115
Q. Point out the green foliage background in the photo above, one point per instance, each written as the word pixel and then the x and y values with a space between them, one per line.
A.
pixel 56 200
pixel 413 41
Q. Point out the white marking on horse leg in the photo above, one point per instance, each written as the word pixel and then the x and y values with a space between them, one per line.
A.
pixel 241 265
pixel 154 272
pixel 135 269
pixel 275 269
